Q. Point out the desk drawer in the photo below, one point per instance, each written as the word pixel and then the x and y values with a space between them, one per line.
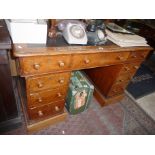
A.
pixel 137 55
pixel 46 110
pixel 48 96
pixel 123 78
pixel 97 59
pixel 131 67
pixel 85 60
pixel 49 81
pixel 44 64
pixel 117 89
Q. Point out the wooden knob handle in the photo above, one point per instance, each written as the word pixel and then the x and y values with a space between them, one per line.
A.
pixel 120 58
pixel 86 61
pixel 36 66
pixel 40 85
pixel 61 81
pixel 40 99
pixel 136 67
pixel 40 113
pixel 127 69
pixel 59 95
pixel 57 108
pixel 120 80
pixel 61 64
pixel 134 56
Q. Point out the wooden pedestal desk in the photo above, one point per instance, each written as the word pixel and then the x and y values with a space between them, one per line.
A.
pixel 47 72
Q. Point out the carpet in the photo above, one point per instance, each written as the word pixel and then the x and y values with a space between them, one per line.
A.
pixel 143 83
pixel 147 104
pixel 124 117
pixel 136 120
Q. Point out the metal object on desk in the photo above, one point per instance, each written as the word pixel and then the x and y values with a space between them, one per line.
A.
pixel 96 38
pixel 96 32
pixel 79 94
pixel 117 29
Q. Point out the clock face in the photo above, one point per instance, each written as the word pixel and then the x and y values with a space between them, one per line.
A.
pixel 101 35
pixel 77 31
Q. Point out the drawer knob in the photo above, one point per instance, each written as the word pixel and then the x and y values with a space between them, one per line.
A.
pixel 61 64
pixel 134 56
pixel 86 61
pixel 136 67
pixel 40 113
pixel 40 99
pixel 61 81
pixel 120 80
pixel 127 69
pixel 40 85
pixel 36 66
pixel 57 108
pixel 59 95
pixel 120 58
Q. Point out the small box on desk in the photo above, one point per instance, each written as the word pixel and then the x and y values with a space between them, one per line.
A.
pixel 27 31
pixel 79 94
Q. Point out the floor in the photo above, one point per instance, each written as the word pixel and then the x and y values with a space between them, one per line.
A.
pixel 147 103
pixel 122 118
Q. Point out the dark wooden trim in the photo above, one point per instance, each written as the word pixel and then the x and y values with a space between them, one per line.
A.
pixel 10 124
pixel 5 40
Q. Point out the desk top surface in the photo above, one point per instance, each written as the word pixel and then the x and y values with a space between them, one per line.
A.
pixel 56 47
